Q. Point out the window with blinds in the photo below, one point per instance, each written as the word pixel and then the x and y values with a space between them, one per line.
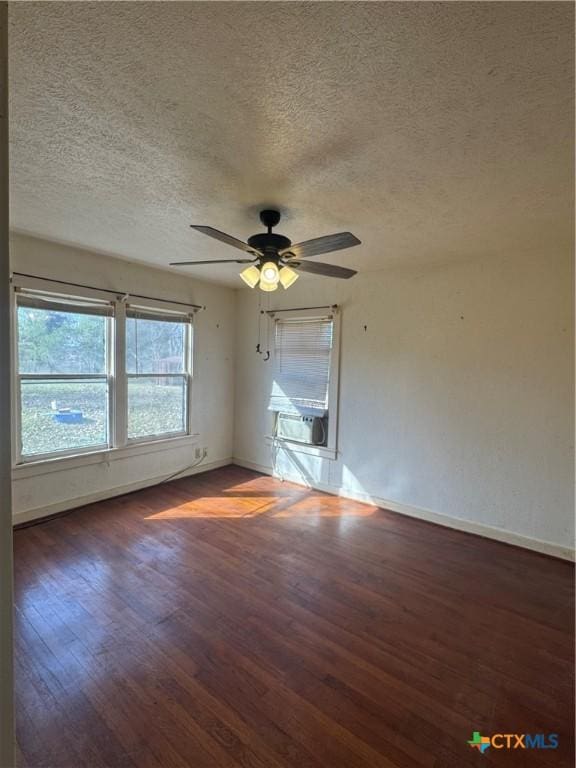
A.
pixel 302 354
pixel 63 375
pixel 96 374
pixel 158 373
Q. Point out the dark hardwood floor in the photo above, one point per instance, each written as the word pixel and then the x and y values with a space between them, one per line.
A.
pixel 229 619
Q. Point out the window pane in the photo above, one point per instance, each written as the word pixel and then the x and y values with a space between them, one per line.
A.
pixel 154 346
pixel 52 341
pixel 156 405
pixel 63 415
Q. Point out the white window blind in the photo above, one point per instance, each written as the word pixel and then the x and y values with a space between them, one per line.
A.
pixel 302 366
pixel 64 304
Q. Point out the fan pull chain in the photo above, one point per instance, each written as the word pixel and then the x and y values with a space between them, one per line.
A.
pixel 259 344
pixel 267 321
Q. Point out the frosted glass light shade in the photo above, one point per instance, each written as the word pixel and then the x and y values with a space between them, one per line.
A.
pixel 288 277
pixel 268 286
pixel 269 275
pixel 251 275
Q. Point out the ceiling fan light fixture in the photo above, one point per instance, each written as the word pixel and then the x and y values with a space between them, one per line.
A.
pixel 268 286
pixel 288 277
pixel 269 275
pixel 251 276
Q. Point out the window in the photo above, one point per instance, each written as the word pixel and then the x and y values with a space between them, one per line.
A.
pixel 63 375
pixel 95 374
pixel 304 387
pixel 302 366
pixel 157 370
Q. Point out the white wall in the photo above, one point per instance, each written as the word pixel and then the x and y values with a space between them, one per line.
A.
pixel 43 492
pixel 456 401
pixel 6 608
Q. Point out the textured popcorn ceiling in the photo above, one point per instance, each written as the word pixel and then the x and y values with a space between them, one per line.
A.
pixel 434 131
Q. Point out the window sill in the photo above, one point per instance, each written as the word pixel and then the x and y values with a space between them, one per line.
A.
pixel 295 447
pixel 62 463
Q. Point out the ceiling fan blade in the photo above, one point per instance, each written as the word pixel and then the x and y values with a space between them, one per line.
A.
pixel 212 261
pixel 320 245
pixel 223 237
pixel 317 268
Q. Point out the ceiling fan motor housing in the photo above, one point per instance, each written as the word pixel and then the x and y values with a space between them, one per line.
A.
pixel 269 244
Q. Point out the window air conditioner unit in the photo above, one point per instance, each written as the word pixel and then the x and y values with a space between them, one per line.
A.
pixel 302 429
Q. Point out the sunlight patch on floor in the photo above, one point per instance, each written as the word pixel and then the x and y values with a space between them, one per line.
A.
pixel 218 507
pixel 326 506
pixel 229 507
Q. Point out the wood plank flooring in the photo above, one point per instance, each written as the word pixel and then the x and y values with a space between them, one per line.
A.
pixel 229 619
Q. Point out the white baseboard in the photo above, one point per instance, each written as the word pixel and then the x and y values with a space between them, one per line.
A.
pixel 38 513
pixel 479 529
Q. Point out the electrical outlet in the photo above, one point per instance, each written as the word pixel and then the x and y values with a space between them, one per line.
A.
pixel 198 453
pixel 204 452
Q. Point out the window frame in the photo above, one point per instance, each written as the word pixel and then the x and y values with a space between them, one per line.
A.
pixel 186 375
pixel 330 450
pixel 115 376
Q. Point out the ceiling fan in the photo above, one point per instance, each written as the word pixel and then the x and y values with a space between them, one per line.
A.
pixel 275 261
